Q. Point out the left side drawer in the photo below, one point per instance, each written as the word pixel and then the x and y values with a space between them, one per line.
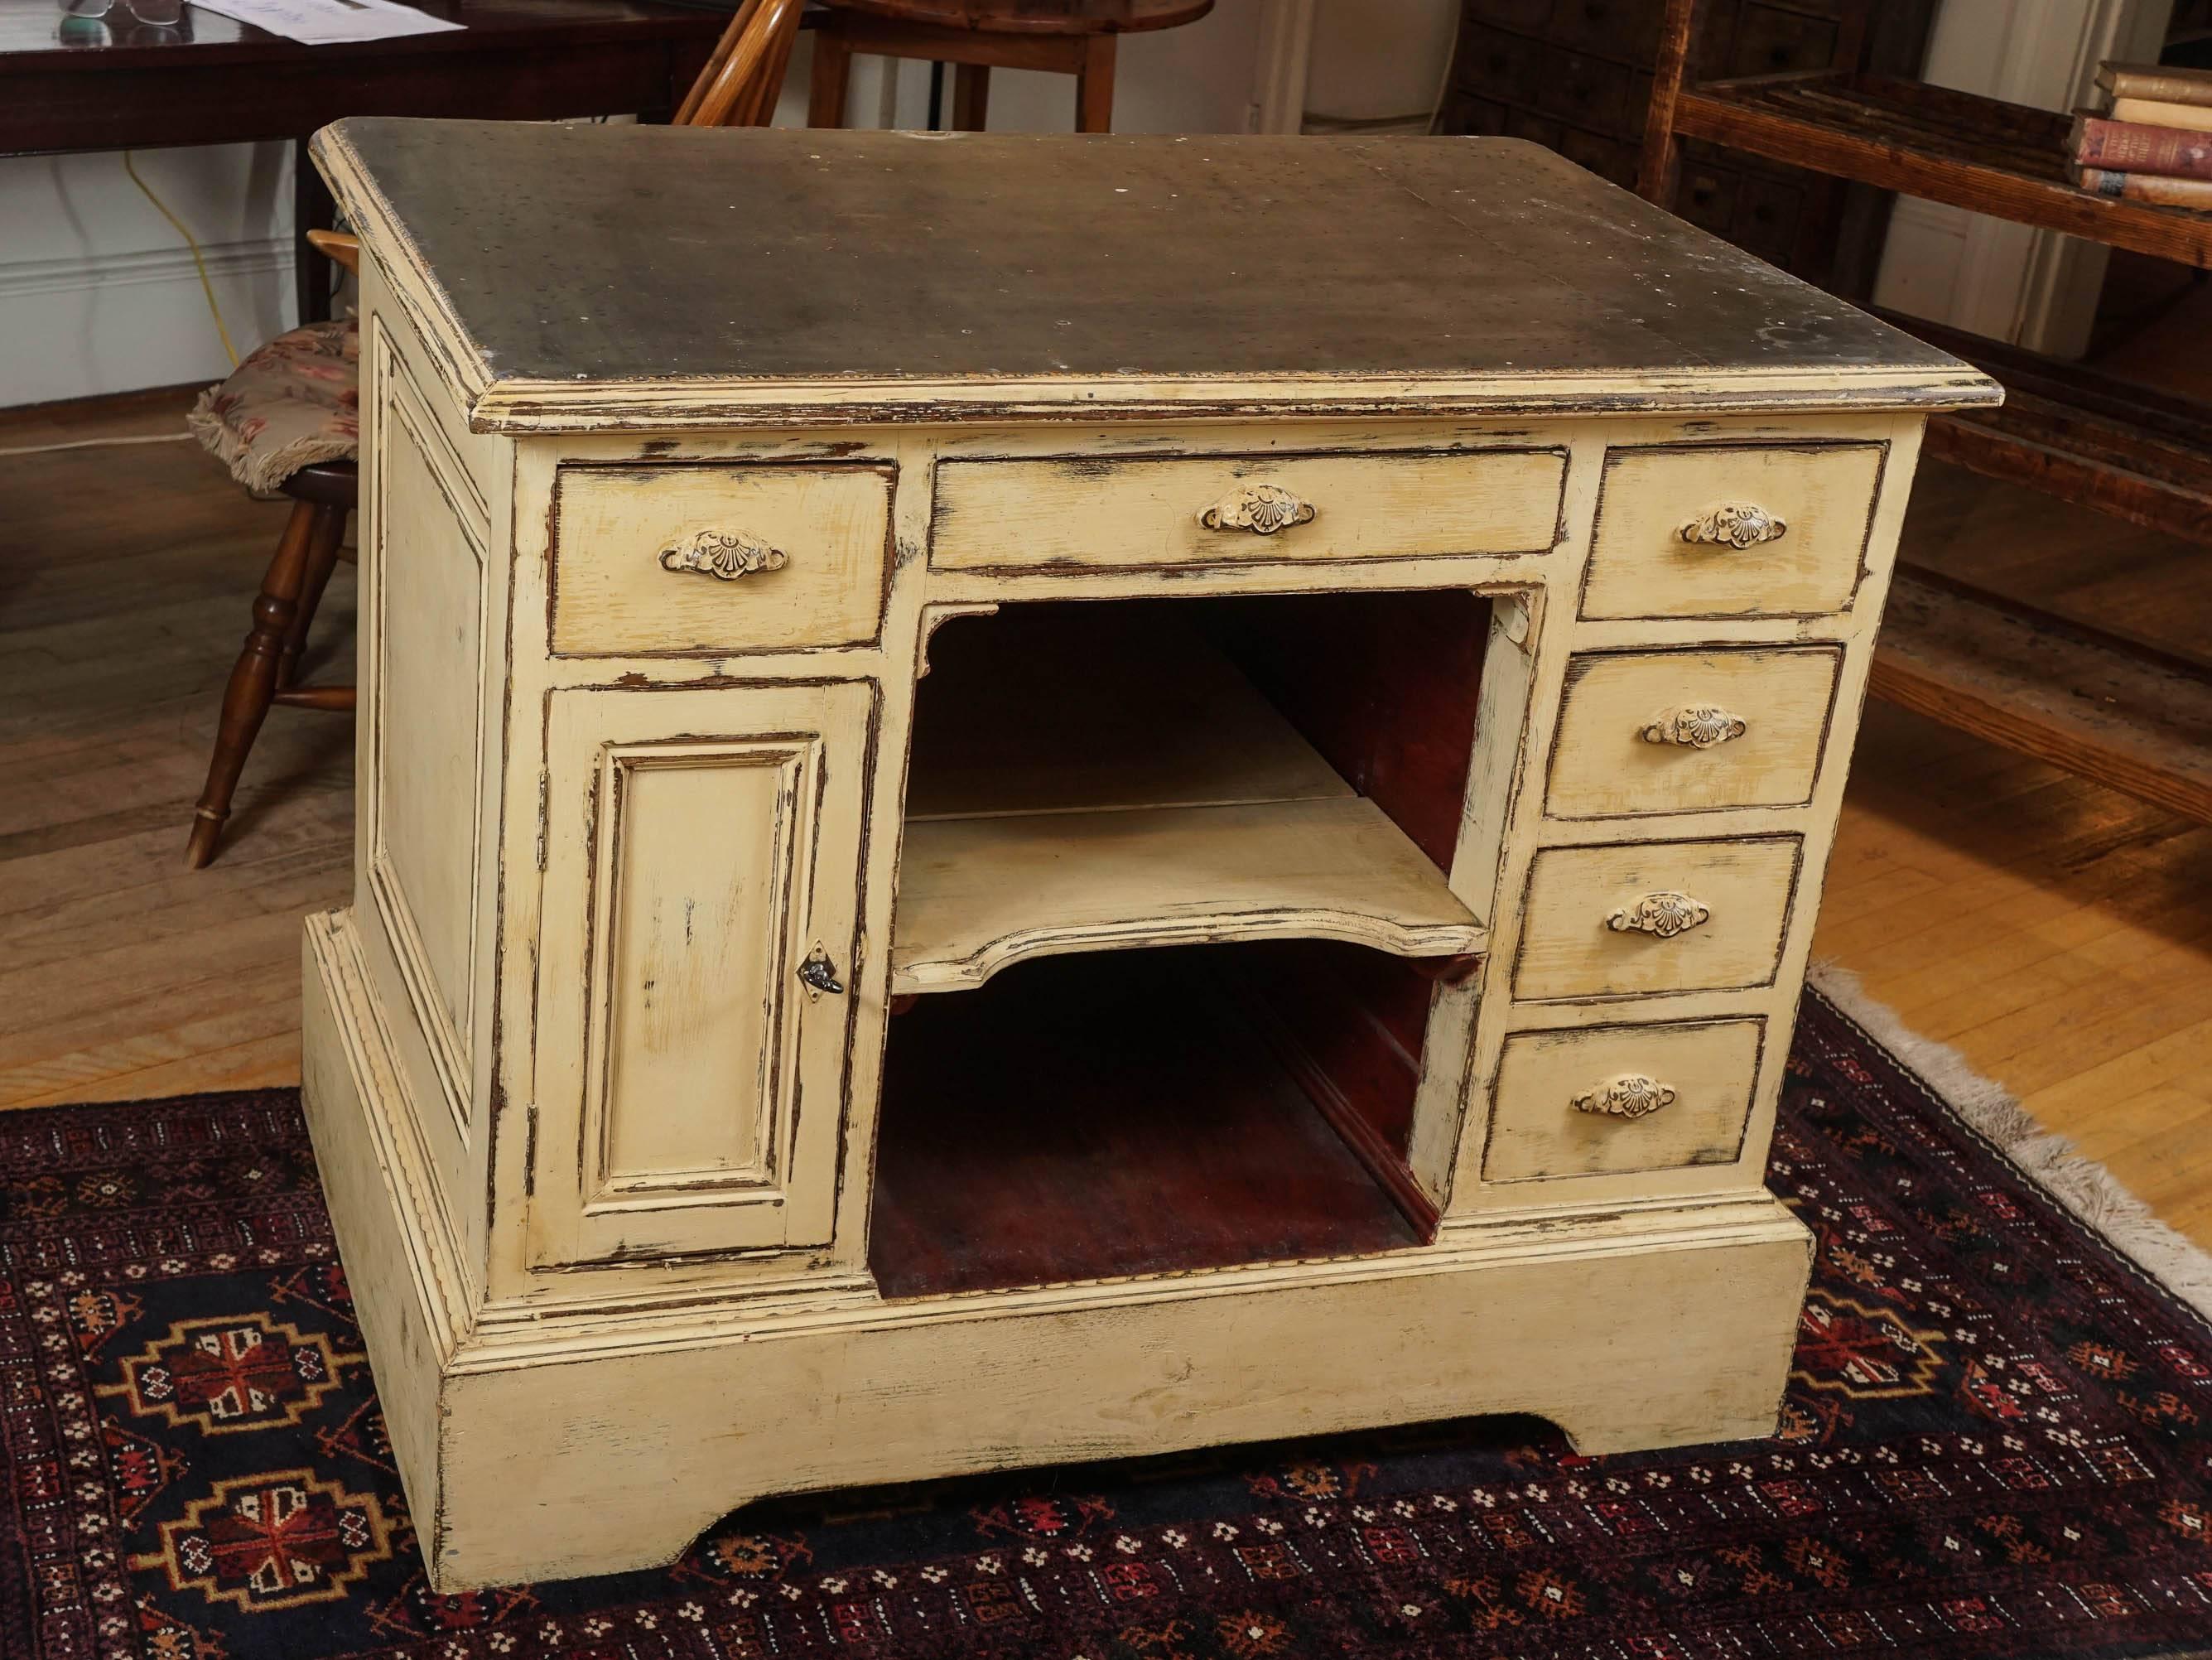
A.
pixel 715 559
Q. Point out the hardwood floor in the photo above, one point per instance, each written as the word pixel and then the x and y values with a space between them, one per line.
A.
pixel 2059 935
pixel 125 575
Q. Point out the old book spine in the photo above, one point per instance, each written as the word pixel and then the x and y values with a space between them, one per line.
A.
pixel 2124 147
pixel 2146 187
pixel 2149 81
pixel 2160 113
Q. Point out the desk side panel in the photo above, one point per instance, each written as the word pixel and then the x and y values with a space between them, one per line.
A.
pixel 435 529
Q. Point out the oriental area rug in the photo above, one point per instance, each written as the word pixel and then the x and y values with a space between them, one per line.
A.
pixel 1996 1443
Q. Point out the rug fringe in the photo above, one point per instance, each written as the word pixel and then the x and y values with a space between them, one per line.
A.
pixel 2083 1186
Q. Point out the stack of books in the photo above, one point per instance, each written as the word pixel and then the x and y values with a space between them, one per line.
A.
pixel 2154 143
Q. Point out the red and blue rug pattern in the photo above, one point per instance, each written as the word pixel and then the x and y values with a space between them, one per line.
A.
pixel 1995 1445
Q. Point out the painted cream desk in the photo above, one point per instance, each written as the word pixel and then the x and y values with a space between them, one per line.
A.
pixel 1026 799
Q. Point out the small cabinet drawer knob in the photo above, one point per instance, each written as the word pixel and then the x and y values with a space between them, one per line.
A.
pixel 1696 727
pixel 819 974
pixel 1734 525
pixel 727 554
pixel 1665 915
pixel 1263 509
pixel 1631 1096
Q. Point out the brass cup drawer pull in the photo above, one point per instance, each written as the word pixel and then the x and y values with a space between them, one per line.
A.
pixel 1631 1096
pixel 1696 727
pixel 1263 509
pixel 1665 915
pixel 1734 525
pixel 819 974
pixel 726 555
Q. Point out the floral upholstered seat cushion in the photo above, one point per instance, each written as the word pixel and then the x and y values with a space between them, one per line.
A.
pixel 293 402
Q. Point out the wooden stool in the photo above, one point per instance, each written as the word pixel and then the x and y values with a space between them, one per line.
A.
pixel 312 373
pixel 1066 37
pixel 323 495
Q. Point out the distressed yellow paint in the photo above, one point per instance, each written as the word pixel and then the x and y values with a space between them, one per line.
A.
pixel 627 1288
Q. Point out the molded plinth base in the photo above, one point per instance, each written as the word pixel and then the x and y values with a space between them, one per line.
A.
pixel 587 1443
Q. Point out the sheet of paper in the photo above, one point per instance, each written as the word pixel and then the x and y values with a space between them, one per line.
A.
pixel 321 22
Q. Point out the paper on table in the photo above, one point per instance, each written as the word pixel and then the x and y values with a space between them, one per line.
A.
pixel 323 23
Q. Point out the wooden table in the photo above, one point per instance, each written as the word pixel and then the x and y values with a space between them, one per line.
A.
pixel 1018 804
pixel 118 84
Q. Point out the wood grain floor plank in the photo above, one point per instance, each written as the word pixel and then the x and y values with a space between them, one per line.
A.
pixel 2075 928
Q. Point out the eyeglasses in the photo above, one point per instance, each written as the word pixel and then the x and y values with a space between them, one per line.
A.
pixel 164 13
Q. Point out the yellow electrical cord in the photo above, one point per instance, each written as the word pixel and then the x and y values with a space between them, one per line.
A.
pixel 199 263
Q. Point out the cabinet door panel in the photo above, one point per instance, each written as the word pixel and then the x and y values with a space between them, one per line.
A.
pixel 701 846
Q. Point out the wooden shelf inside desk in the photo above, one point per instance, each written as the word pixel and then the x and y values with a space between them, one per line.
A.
pixel 1102 781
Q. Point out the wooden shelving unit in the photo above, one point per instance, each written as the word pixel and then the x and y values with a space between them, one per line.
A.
pixel 1153 798
pixel 2085 702
pixel 2091 703
pixel 2134 454
pixel 1958 148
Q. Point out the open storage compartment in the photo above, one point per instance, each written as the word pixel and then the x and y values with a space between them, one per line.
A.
pixel 1265 792
pixel 1147 773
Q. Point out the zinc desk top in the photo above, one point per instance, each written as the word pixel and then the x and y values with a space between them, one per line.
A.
pixel 593 277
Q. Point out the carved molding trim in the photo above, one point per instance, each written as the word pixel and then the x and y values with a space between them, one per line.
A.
pixel 1665 914
pixel 1696 727
pixel 934 617
pixel 1631 1096
pixel 724 554
pixel 1263 509
pixel 1735 524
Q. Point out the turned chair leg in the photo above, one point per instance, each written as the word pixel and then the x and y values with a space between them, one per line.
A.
pixel 322 560
pixel 833 68
pixel 1094 86
pixel 971 97
pixel 253 677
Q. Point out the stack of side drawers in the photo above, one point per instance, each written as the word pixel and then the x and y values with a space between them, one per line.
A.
pixel 1667 950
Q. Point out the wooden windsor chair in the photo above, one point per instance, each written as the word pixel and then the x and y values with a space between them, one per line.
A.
pixel 287 421
pixel 1065 37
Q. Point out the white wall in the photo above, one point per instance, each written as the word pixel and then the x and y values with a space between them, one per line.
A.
pixel 98 293
pixel 1373 60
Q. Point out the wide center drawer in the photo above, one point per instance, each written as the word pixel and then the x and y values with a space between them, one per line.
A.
pixel 708 559
pixel 1089 514
pixel 1659 916
pixel 1651 731
pixel 1770 530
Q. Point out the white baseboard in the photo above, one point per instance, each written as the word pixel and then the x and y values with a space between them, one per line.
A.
pixel 80 326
